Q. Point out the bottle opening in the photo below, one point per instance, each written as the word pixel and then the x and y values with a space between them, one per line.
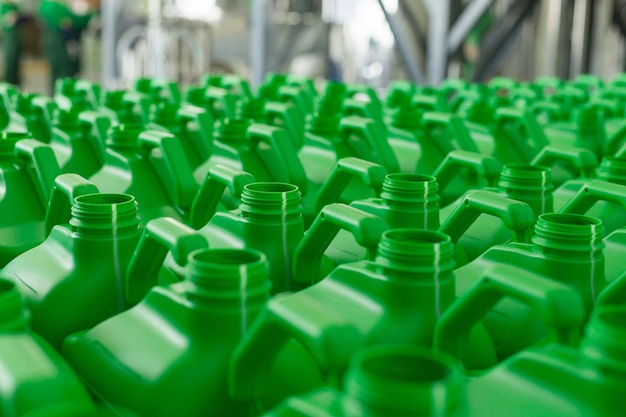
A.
pixel 403 380
pixel 104 214
pixel 225 257
pixel 604 343
pixel 124 135
pixel 569 232
pixel 107 199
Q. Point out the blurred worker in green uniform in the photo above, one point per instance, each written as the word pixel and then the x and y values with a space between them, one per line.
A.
pixel 64 22
pixel 9 20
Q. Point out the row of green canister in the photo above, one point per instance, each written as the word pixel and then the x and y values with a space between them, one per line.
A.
pixel 336 283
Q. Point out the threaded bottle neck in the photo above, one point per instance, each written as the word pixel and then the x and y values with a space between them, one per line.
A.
pixel 403 381
pixel 196 96
pixel 13 315
pixel 531 184
pixel 164 114
pixel 325 118
pixel 231 129
pixel 230 279
pixel 65 119
pixel 604 344
pixel 413 192
pixel 271 201
pixel 113 99
pixel 65 87
pixel 250 108
pixel 571 234
pixel 143 85
pixel 406 117
pixel 407 254
pixel 8 141
pixel 124 136
pixel 104 215
pixel 613 169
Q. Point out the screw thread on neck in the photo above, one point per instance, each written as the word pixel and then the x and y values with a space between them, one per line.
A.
pixel 613 169
pixel 413 192
pixel 104 215
pixel 573 234
pixel 272 201
pixel 530 184
pixel 124 136
pixel 407 254
pixel 403 381
pixel 229 279
pixel 231 129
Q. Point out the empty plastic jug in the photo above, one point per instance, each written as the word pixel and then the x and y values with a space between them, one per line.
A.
pixel 76 150
pixel 269 219
pixel 27 171
pixel 151 166
pixel 36 380
pixel 527 183
pixel 76 277
pixel 566 248
pixel 395 380
pixel 27 117
pixel 183 335
pixel 555 379
pixel 396 299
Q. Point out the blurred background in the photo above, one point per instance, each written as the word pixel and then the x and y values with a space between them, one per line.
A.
pixel 364 41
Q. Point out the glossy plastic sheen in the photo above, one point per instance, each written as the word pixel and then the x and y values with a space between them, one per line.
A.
pixel 27 172
pixel 566 248
pixel 269 219
pixel 181 365
pixel 394 380
pixel 357 305
pixel 558 380
pixel 36 380
pixel 163 185
pixel 76 277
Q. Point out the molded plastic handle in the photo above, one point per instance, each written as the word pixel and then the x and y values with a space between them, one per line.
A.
pixel 454 125
pixel 429 102
pixel 616 142
pixel 485 166
pixel 65 189
pixel 516 215
pixel 91 91
pixel 185 186
pixel 236 85
pixel 160 236
pixel 611 108
pixel 553 111
pixel 208 197
pixel 372 175
pixel 202 118
pixel 559 305
pixel 7 94
pixel 593 192
pixel 504 115
pixel 365 227
pixel 100 124
pixel 46 107
pixel 374 135
pixel 45 164
pixel 583 159
pixel 282 159
pixel 328 337
pixel 291 120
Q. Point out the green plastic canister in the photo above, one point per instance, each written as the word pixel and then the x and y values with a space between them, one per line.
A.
pixel 566 249
pixel 27 172
pixel 151 166
pixel 36 380
pixel 268 219
pixel 192 125
pixel 76 277
pixel 551 380
pixel 182 337
pixel 530 184
pixel 395 380
pixel 395 299
pixel 76 150
pixel 26 117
